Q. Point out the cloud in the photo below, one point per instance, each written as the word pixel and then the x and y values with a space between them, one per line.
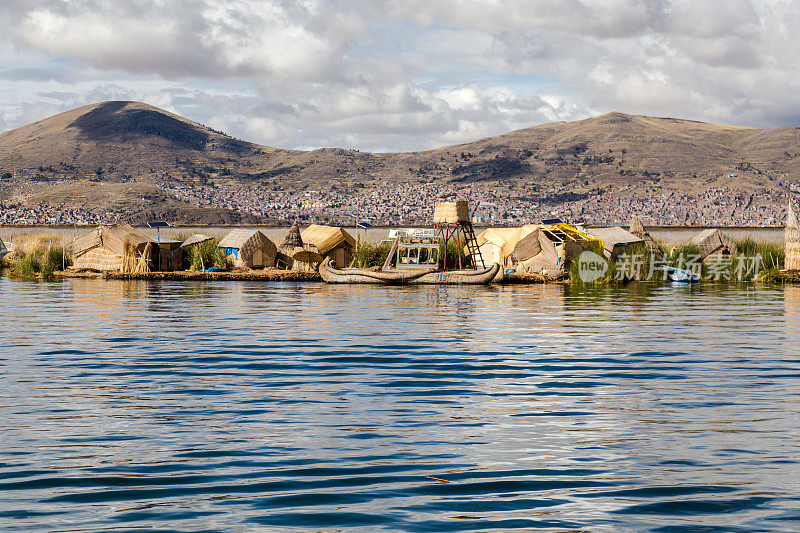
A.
pixel 403 74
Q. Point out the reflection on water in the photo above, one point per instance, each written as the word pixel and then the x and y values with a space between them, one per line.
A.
pixel 234 406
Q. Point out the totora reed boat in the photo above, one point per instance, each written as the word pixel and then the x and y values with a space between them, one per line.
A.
pixel 419 256
pixel 331 274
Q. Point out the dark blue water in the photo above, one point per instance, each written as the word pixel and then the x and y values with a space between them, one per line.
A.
pixel 273 407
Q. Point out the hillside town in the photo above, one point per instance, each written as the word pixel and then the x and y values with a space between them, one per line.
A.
pixel 409 205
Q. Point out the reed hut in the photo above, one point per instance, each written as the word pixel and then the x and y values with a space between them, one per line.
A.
pixel 496 244
pixel 168 255
pixel 615 240
pixel 249 248
pixel 328 241
pixel 569 241
pixel 293 254
pixel 113 248
pixel 526 247
pixel 792 241
pixel 637 228
pixel 546 261
pixel 712 243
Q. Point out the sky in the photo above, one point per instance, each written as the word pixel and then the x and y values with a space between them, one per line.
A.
pixel 401 75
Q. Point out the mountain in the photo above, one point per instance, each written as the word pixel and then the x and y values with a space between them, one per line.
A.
pixel 120 157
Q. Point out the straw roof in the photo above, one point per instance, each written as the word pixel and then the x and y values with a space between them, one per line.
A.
pixel 326 238
pixel 307 256
pixel 527 247
pixel 502 242
pixel 712 240
pixel 613 236
pixel 117 247
pixel 86 241
pixel 546 259
pixel 637 228
pixel 112 238
pixel 496 236
pixel 293 238
pixel 248 241
pixel 197 238
pixel 508 247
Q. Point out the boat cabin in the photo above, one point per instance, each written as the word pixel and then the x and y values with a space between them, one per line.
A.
pixel 416 249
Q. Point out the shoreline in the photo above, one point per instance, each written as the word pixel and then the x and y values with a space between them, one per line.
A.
pixel 273 275
pixel 269 275
pixel 250 275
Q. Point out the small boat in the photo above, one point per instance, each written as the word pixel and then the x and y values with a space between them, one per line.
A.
pixel 331 274
pixel 679 275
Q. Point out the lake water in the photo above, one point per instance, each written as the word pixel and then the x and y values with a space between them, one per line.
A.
pixel 241 406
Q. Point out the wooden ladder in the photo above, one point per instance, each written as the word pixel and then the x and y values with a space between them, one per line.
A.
pixel 471 243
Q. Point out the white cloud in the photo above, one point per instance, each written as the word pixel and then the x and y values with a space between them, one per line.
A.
pixel 405 74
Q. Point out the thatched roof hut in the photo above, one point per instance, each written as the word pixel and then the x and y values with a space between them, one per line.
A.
pixel 637 228
pixel 293 238
pixel 792 241
pixel 496 244
pixel 615 239
pixel 329 241
pixel 712 242
pixel 294 255
pixel 548 260
pixel 527 248
pixel 112 248
pixel 249 248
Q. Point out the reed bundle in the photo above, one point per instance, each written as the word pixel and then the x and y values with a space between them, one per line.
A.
pixel 792 241
pixel 451 212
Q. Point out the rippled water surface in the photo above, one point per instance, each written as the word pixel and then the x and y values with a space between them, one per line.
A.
pixel 236 406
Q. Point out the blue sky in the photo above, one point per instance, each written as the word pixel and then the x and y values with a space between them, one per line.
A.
pixel 401 75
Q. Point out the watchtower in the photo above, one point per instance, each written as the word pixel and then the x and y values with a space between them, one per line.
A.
pixel 450 222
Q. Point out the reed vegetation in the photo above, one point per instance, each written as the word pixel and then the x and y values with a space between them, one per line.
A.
pixel 772 255
pixel 368 255
pixel 752 260
pixel 211 254
pixel 37 257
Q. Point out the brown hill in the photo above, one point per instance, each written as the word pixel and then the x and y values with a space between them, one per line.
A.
pixel 114 155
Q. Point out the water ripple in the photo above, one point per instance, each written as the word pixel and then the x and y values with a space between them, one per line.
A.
pixel 233 406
